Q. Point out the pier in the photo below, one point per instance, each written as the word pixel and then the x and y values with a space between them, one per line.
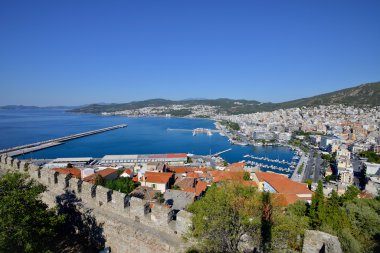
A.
pixel 196 131
pixel 24 149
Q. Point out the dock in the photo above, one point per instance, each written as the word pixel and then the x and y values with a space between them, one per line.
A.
pixel 24 149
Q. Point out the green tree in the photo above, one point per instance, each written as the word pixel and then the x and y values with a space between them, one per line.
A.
pixel 351 193
pixel 309 182
pixel 266 221
pixel 317 208
pixel 26 223
pixel 122 184
pixel 224 215
pixel 246 176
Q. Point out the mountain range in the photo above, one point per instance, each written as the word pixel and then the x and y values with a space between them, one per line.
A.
pixel 362 95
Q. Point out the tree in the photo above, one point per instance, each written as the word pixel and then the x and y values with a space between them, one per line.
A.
pixel 351 193
pixel 224 215
pixel 122 184
pixel 317 207
pixel 309 182
pixel 246 176
pixel 266 221
pixel 26 223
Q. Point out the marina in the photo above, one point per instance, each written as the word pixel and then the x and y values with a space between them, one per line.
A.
pixel 271 160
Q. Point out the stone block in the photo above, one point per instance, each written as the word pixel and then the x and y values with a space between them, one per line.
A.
pixel 103 195
pixel 9 160
pixel 15 163
pixel 317 241
pixel 73 184
pixel 23 165
pixel 4 159
pixel 137 207
pixel 160 215
pixel 88 192
pixel 119 201
pixel 183 222
pixel 46 176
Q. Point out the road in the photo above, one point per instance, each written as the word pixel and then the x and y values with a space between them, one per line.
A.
pixel 313 169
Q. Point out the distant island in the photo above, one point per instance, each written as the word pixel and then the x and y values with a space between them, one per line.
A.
pixel 362 95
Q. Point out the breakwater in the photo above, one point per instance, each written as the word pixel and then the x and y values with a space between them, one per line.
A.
pixel 24 149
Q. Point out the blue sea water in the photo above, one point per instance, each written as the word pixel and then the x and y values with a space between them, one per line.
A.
pixel 146 135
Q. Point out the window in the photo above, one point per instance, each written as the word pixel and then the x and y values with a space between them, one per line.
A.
pixel 154 185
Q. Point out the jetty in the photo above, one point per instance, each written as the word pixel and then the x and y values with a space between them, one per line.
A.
pixel 24 149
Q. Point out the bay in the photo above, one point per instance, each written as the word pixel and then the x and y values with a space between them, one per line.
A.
pixel 144 135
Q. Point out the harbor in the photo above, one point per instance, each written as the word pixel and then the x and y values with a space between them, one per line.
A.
pixel 24 149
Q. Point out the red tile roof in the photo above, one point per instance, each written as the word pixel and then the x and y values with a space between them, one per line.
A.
pixel 158 177
pixel 282 184
pixel 73 171
pixel 237 167
pixel 226 175
pixel 200 187
pixel 187 169
pixel 103 173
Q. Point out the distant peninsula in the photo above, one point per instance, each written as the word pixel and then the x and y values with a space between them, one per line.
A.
pixel 362 95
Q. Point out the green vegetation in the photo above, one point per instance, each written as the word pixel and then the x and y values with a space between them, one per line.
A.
pixel 122 184
pixel 231 210
pixel 160 197
pixel 372 156
pixel 26 223
pixel 231 125
pixel 300 169
pixel 309 182
pixel 331 178
pixel 176 187
pixel 246 176
pixel 355 221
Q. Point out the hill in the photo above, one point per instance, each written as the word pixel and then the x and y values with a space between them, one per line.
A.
pixel 362 95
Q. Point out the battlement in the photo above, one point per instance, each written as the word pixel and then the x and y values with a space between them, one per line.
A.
pixel 120 205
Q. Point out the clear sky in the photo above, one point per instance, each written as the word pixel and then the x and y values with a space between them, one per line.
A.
pixel 73 52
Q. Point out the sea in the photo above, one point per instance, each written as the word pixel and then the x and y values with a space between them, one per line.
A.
pixel 144 135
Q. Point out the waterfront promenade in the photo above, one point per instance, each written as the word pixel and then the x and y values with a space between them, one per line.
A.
pixel 298 177
pixel 24 149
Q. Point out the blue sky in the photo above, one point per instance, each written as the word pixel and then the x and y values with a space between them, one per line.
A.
pixel 76 52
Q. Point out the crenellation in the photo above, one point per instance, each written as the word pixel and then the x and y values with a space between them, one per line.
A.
pixel 73 184
pixel 23 165
pixel 183 222
pixel 137 208
pixel 151 218
pixel 4 159
pixel 15 163
pixel 9 161
pixel 119 201
pixel 160 215
pixel 103 196
pixel 88 192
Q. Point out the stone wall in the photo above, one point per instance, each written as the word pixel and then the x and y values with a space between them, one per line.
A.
pixel 129 224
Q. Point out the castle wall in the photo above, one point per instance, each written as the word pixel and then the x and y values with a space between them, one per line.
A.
pixel 129 224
